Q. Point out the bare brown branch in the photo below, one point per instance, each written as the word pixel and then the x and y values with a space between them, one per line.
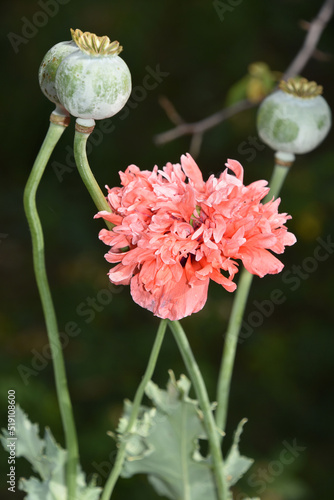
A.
pixel 314 30
pixel 203 125
pixel 170 110
pixel 195 145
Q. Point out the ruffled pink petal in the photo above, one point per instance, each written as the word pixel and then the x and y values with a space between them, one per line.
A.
pixel 219 278
pixel 192 171
pixel 171 300
pixel 114 257
pixel 236 167
pixel 117 241
pixel 109 216
pixel 260 262
pixel 121 275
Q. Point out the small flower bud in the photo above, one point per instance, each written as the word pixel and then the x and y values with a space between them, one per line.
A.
pixel 93 82
pixel 295 119
pixel 48 68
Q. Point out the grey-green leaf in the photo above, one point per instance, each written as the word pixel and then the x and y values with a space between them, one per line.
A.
pixel 48 459
pixel 236 465
pixel 164 444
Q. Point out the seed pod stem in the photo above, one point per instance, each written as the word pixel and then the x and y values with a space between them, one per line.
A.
pixel 82 133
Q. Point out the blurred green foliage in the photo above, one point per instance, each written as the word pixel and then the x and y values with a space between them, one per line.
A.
pixel 283 374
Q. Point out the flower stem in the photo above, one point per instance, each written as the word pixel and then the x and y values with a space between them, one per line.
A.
pixel 231 338
pixel 230 345
pixel 109 486
pixel 202 395
pixel 80 155
pixel 54 133
pixel 277 180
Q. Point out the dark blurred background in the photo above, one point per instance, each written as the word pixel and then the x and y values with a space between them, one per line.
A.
pixel 283 374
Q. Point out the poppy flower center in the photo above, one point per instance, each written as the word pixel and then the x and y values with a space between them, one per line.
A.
pixel 197 218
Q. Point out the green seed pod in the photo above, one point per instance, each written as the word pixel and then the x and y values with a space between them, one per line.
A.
pixel 93 82
pixel 295 119
pixel 48 68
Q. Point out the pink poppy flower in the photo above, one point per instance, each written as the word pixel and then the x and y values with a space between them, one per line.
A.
pixel 173 234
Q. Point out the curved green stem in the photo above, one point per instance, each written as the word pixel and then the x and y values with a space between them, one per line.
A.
pixel 109 486
pixel 238 309
pixel 80 155
pixel 205 405
pixel 51 139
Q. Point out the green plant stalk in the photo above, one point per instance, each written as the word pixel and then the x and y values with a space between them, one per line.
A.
pixel 80 155
pixel 205 405
pixel 276 182
pixel 230 345
pixel 51 139
pixel 231 338
pixel 115 473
